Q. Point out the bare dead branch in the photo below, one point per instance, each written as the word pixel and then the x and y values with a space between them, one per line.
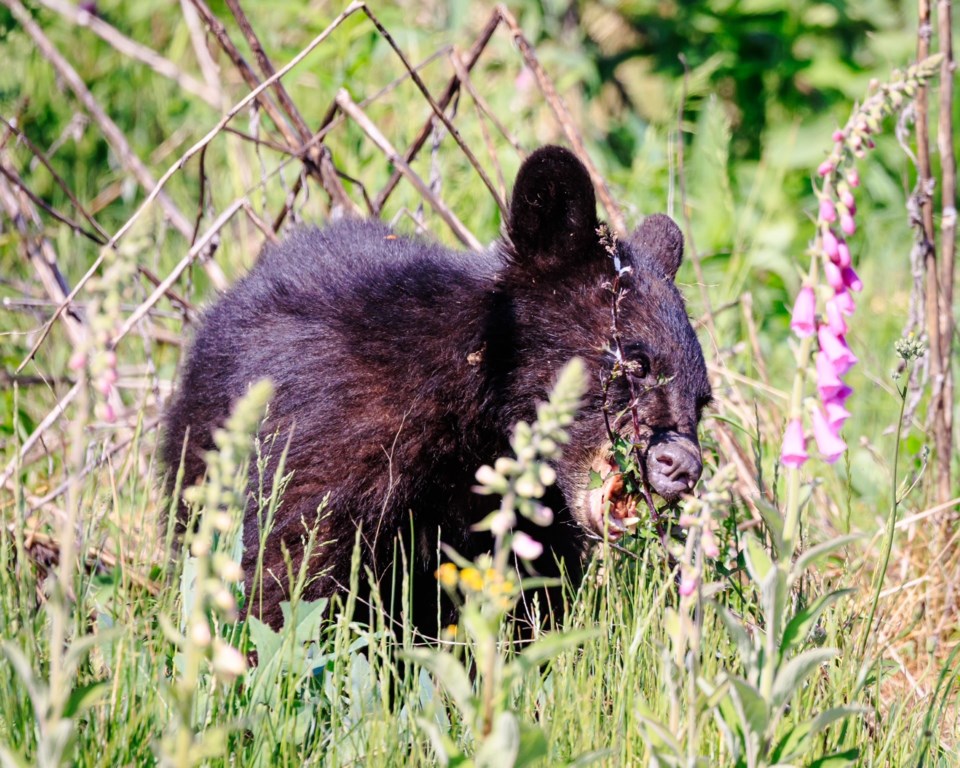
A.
pixel 936 414
pixel 948 233
pixel 39 252
pixel 685 208
pixel 440 113
pixel 43 426
pixel 453 86
pixel 111 131
pixel 40 155
pixel 462 233
pixel 198 248
pixel 134 50
pixel 14 178
pixel 566 121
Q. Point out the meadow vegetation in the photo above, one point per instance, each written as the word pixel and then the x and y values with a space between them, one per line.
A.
pixel 797 611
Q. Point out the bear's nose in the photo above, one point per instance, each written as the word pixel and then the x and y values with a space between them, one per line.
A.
pixel 674 468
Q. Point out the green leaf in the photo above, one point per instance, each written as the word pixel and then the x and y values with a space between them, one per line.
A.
pixel 791 675
pixel 450 674
pixel 502 745
pixel 533 744
pixel 795 743
pixel 82 697
pixel 737 632
pixel 758 561
pixel 773 520
pixel 800 625
pixel 553 645
pixel 808 558
pixel 837 759
pixel 750 706
pixel 595 480
pixel 307 621
pixel 265 640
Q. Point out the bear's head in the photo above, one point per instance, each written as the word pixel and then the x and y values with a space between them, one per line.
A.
pixel 613 302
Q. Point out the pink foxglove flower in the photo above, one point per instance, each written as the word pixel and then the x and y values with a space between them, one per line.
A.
pixel 827 211
pixel 845 302
pixel 851 280
pixel 853 178
pixel 836 350
pixel 826 168
pixel 847 224
pixel 835 321
pixel 831 246
pixel 836 414
pixel 794 450
pixel 837 137
pixel 843 254
pixel 688 585
pixel 526 547
pixel 849 201
pixel 828 382
pixel 802 321
pixel 829 443
pixel 834 277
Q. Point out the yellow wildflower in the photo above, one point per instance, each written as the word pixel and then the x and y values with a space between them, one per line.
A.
pixel 471 579
pixel 447 575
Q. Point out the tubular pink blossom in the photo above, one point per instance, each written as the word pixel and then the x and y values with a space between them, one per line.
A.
pixel 688 585
pixel 794 450
pixel 802 320
pixel 842 395
pixel 829 384
pixel 847 198
pixel 851 279
pixel 829 443
pixel 835 321
pixel 847 224
pixel 831 245
pixel 836 350
pixel 836 414
pixel 834 277
pixel 845 302
pixel 838 135
pixel 825 168
pixel 843 254
pixel 853 178
pixel 526 547
pixel 827 211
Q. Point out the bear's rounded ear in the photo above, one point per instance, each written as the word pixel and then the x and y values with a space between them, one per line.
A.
pixel 553 212
pixel 658 244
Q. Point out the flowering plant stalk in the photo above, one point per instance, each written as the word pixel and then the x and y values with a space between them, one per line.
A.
pixel 830 256
pixel 487 589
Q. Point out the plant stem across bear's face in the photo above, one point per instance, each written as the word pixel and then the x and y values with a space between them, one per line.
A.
pixel 400 367
pixel 581 291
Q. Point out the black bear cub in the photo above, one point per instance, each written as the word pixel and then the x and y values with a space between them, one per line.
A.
pixel 400 366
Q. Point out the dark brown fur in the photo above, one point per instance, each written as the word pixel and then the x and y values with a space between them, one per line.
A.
pixel 400 367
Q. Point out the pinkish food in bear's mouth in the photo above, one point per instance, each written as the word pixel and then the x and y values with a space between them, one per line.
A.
pixel 611 499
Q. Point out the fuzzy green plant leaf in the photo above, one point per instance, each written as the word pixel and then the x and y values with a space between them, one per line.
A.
pixel 83 697
pixel 796 743
pixel 451 676
pixel 837 759
pixel 750 706
pixel 737 632
pixel 552 645
pixel 758 560
pixel 791 676
pixel 800 625
pixel 501 747
pixel 812 555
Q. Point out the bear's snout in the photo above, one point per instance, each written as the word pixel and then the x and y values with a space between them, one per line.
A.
pixel 674 466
